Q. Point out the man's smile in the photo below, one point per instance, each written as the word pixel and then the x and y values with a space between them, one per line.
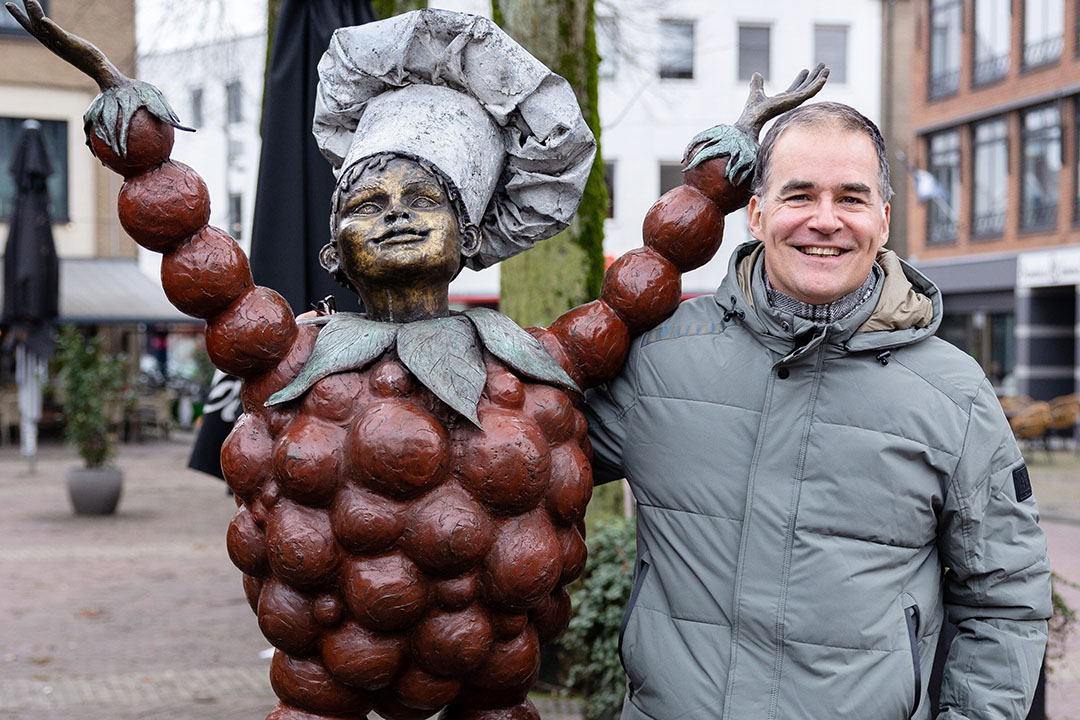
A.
pixel 821 251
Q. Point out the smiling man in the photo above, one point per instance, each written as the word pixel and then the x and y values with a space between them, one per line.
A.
pixel 819 479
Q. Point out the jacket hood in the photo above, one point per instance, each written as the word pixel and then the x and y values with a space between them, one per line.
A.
pixel 904 308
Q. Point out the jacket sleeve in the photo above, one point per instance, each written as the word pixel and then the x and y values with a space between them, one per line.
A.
pixel 997 588
pixel 607 408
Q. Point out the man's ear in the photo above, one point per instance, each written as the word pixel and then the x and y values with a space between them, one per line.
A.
pixel 753 211
pixel 470 240
pixel 885 229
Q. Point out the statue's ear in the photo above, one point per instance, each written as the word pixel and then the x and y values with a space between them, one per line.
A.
pixel 470 240
pixel 328 258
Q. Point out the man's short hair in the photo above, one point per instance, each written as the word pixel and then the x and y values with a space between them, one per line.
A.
pixel 824 115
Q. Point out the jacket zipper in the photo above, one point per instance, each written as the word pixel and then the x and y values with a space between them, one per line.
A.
pixel 643 570
pixel 911 615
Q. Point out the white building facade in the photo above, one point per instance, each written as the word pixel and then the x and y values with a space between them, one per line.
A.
pixel 208 59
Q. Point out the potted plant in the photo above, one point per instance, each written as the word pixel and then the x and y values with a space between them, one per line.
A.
pixel 89 380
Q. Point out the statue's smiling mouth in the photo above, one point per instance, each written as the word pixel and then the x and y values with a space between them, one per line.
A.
pixel 402 235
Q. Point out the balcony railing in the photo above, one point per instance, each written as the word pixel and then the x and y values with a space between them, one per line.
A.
pixel 940 231
pixel 1043 52
pixel 944 83
pixel 988 223
pixel 990 69
pixel 1038 215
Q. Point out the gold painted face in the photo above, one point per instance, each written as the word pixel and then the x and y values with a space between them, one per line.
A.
pixel 397 224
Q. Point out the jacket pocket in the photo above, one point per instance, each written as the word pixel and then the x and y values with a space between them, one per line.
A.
pixel 639 580
pixel 911 616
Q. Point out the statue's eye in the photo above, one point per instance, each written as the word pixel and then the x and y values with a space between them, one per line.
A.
pixel 367 208
pixel 422 202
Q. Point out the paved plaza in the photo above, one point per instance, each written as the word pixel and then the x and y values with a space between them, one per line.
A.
pixel 142 616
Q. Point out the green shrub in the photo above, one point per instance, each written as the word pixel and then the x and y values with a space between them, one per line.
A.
pixel 89 379
pixel 590 644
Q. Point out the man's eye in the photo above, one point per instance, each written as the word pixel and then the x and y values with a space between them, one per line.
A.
pixel 852 200
pixel 797 198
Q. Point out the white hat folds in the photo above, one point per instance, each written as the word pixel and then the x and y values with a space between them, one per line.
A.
pixel 456 91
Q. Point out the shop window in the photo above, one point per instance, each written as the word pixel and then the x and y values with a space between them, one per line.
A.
pixel 990 150
pixel 1042 165
pixel 753 51
pixel 992 34
pixel 676 49
pixel 946 20
pixel 54 135
pixel 944 165
pixel 1044 31
pixel 990 338
pixel 830 48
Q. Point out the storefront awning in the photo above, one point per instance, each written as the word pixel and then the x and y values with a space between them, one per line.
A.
pixel 109 291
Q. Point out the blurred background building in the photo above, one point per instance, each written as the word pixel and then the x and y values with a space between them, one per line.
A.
pixel 994 92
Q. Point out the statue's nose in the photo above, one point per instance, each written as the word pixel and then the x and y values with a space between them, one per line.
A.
pixel 396 214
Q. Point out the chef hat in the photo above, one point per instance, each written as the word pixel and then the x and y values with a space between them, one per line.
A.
pixel 456 91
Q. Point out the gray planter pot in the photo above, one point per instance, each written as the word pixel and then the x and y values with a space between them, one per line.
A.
pixel 95 491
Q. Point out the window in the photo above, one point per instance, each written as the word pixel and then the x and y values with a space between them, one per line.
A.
pixel 236 216
pixel 607 44
pixel 609 181
pixel 671 176
pixel 830 47
pixel 944 165
pixel 196 107
pixel 1044 29
pixel 1042 165
pixel 946 17
pixel 236 152
pixel 54 134
pixel 753 51
pixel 10 26
pixel 234 101
pixel 676 49
pixel 992 31
pixel 991 174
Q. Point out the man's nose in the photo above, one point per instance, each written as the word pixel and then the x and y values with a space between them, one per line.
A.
pixel 824 220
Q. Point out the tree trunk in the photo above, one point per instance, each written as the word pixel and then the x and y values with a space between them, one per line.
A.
pixel 566 270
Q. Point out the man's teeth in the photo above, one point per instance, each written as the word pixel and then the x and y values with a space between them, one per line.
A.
pixel 828 252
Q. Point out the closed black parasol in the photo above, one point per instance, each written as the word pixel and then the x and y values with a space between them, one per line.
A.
pixel 292 202
pixel 31 280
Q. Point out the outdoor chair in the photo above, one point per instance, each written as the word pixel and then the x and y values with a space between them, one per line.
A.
pixel 1065 411
pixel 1031 426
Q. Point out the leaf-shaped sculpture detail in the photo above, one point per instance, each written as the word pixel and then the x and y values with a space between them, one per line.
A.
pixel 517 348
pixel 349 341
pixel 443 354
pixel 109 115
pixel 727 140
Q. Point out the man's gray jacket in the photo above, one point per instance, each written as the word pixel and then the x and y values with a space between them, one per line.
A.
pixel 800 490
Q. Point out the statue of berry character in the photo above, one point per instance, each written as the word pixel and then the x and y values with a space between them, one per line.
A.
pixel 411 482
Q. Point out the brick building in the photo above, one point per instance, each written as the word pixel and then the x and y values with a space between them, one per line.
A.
pixel 995 113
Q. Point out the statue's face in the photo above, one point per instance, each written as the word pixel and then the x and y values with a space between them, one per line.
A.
pixel 398 223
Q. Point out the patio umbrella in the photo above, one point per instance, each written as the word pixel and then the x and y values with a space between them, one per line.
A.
pixel 31 279
pixel 292 201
